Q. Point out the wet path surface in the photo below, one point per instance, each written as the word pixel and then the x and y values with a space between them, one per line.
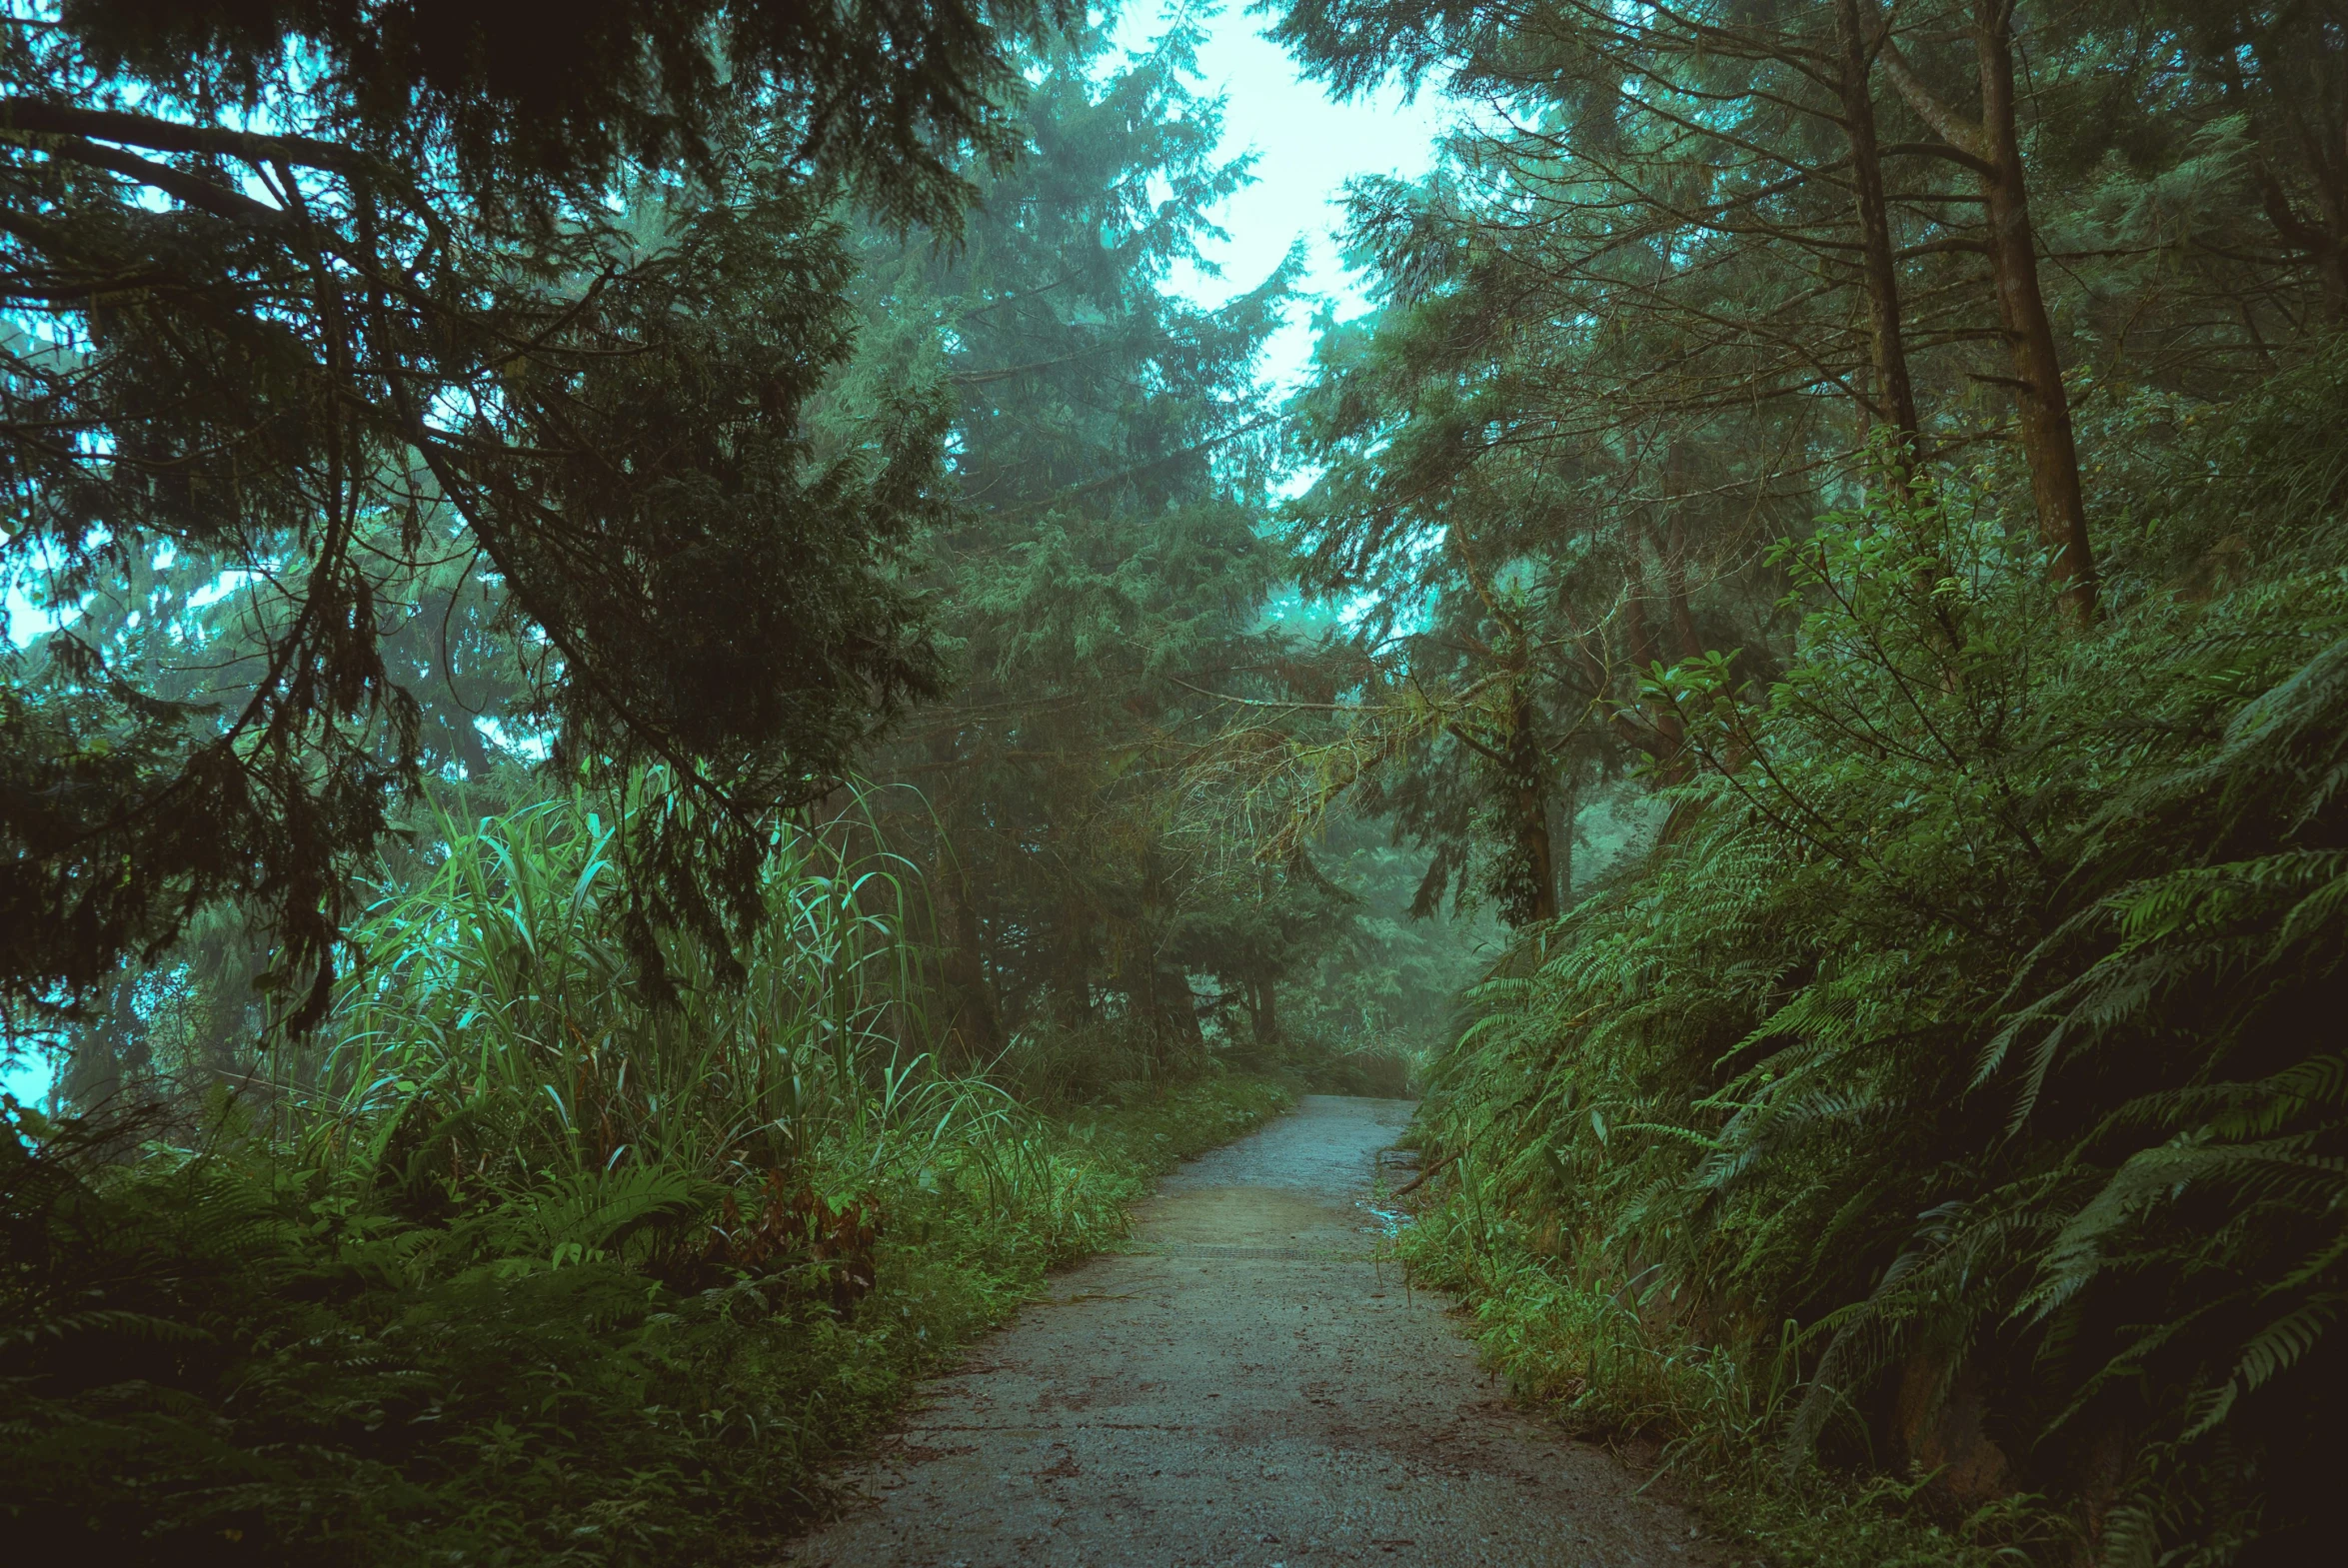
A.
pixel 1245 1386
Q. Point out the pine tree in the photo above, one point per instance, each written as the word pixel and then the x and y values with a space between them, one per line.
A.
pixel 1105 572
pixel 311 298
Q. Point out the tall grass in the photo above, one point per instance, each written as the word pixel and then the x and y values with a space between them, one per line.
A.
pixel 519 1263
pixel 496 988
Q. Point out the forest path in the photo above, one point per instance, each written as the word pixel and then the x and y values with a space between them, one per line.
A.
pixel 1245 1386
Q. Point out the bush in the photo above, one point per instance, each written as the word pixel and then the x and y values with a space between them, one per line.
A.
pixel 230 1355
pixel 525 1266
pixel 1954 1093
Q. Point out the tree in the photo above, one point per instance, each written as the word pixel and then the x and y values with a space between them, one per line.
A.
pixel 1667 244
pixel 1991 145
pixel 1103 573
pixel 1938 1056
pixel 309 298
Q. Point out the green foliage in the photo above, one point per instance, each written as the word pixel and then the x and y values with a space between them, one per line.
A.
pixel 1609 1356
pixel 1378 998
pixel 1956 1050
pixel 307 304
pixel 522 1263
pixel 1927 1125
pixel 495 1001
pixel 1971 1035
pixel 1104 576
pixel 246 1355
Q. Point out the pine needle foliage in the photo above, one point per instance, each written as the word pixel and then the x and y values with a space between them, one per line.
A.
pixel 312 301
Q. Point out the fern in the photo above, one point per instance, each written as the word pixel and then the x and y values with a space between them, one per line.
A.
pixel 2008 1035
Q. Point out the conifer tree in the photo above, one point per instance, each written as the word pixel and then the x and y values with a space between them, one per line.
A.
pixel 1687 270
pixel 306 299
pixel 1103 573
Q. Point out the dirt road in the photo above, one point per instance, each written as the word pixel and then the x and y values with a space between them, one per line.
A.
pixel 1245 1386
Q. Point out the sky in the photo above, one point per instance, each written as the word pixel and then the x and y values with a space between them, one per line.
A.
pixel 1307 148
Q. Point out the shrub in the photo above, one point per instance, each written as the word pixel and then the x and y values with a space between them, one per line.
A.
pixel 1955 1089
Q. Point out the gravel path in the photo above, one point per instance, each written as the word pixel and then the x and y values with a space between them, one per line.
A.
pixel 1247 1386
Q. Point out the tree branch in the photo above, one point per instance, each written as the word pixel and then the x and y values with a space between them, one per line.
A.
pixel 187 189
pixel 1960 133
pixel 139 130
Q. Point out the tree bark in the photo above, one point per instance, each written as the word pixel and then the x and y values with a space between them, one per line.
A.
pixel 1561 838
pixel 1671 550
pixel 1263 1011
pixel 1075 975
pixel 1668 737
pixel 973 1027
pixel 1896 396
pixel 973 1023
pixel 1530 791
pixel 1994 147
pixel 2047 439
pixel 1172 1002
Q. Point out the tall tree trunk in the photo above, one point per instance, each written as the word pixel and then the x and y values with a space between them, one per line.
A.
pixel 1263 1011
pixel 1531 896
pixel 1671 550
pixel 472 751
pixel 2013 251
pixel 974 1026
pixel 1994 147
pixel 1076 973
pixel 1173 1005
pixel 1895 395
pixel 1561 838
pixel 973 1023
pixel 1665 739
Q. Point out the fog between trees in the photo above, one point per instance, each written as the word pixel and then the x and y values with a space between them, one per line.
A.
pixel 662 658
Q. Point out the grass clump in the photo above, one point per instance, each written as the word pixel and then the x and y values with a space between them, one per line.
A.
pixel 1614 1363
pixel 521 1265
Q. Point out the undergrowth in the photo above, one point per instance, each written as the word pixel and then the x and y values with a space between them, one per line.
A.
pixel 1939 1143
pixel 1589 1352
pixel 1378 1069
pixel 522 1264
pixel 1058 1066
pixel 235 1356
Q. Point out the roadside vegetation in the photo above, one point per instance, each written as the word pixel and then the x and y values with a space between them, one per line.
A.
pixel 675 702
pixel 517 1265
pixel 1896 449
pixel 585 797
pixel 1935 1141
